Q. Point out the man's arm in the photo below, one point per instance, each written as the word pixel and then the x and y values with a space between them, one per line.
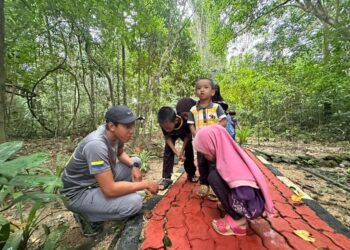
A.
pixel 123 157
pixel 111 188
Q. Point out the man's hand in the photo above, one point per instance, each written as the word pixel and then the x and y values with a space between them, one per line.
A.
pixel 153 187
pixel 136 174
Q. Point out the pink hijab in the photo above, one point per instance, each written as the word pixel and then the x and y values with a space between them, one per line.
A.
pixel 232 163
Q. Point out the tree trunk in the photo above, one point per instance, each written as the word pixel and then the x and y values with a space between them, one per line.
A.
pixel 118 77
pixel 2 73
pixel 124 74
pixel 55 81
pixel 92 84
pixel 325 42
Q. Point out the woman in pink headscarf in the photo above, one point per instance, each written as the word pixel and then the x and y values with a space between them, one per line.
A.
pixel 235 179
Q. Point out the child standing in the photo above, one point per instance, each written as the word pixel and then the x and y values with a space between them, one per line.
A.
pixel 234 122
pixel 203 114
pixel 217 98
pixel 174 126
pixel 235 179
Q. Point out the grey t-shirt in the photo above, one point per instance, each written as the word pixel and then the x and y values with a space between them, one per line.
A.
pixel 94 154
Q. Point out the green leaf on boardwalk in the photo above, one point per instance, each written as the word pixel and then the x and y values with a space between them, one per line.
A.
pixel 7 149
pixel 11 168
pixel 167 241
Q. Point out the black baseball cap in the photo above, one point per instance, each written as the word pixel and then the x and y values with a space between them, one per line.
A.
pixel 120 114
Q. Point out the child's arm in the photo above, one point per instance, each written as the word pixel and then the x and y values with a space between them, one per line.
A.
pixel 186 140
pixel 193 130
pixel 223 122
pixel 222 116
pixel 190 122
pixel 172 146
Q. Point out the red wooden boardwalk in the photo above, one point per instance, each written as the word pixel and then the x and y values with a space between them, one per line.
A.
pixel 186 219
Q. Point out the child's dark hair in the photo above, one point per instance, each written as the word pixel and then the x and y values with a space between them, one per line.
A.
pixel 166 114
pixel 212 84
pixel 232 112
pixel 217 96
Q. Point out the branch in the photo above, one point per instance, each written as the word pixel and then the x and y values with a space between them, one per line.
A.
pixel 261 15
pixel 30 102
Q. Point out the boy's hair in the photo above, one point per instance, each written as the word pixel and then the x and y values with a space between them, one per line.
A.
pixel 166 114
pixel 212 84
pixel 232 112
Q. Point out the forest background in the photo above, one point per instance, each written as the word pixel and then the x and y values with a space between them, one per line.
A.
pixel 283 66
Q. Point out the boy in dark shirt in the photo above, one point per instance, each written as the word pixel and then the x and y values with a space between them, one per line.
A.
pixel 174 125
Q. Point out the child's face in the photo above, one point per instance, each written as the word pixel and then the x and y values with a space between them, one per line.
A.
pixel 168 126
pixel 204 91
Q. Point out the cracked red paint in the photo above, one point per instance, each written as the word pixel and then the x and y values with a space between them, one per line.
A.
pixel 186 219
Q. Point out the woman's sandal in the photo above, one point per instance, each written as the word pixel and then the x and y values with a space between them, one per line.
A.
pixel 165 183
pixel 227 226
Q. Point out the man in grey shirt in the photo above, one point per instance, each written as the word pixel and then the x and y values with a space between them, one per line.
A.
pixel 100 180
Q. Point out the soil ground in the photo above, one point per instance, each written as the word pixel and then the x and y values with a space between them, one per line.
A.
pixel 335 200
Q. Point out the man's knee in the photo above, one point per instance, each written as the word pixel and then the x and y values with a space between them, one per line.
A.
pixel 136 160
pixel 133 205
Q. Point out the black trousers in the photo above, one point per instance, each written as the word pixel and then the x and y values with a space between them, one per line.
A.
pixel 168 159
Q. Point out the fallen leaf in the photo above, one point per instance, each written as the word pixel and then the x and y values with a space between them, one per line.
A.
pixel 305 235
pixel 297 197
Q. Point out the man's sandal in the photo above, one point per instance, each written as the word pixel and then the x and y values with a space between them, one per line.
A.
pixel 165 183
pixel 227 226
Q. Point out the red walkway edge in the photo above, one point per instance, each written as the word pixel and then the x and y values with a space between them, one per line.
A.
pixel 186 220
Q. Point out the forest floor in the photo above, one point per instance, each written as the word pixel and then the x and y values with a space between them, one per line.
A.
pixel 334 199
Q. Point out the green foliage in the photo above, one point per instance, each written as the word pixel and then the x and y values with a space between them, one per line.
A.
pixel 145 157
pixel 13 179
pixel 70 54
pixel 242 135
pixel 4 231
pixel 14 241
pixel 12 168
pixel 7 149
pixel 54 236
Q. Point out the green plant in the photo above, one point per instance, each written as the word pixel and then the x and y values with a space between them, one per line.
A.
pixel 242 136
pixel 145 157
pixel 19 183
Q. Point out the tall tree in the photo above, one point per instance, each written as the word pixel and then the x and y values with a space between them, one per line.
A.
pixel 2 72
